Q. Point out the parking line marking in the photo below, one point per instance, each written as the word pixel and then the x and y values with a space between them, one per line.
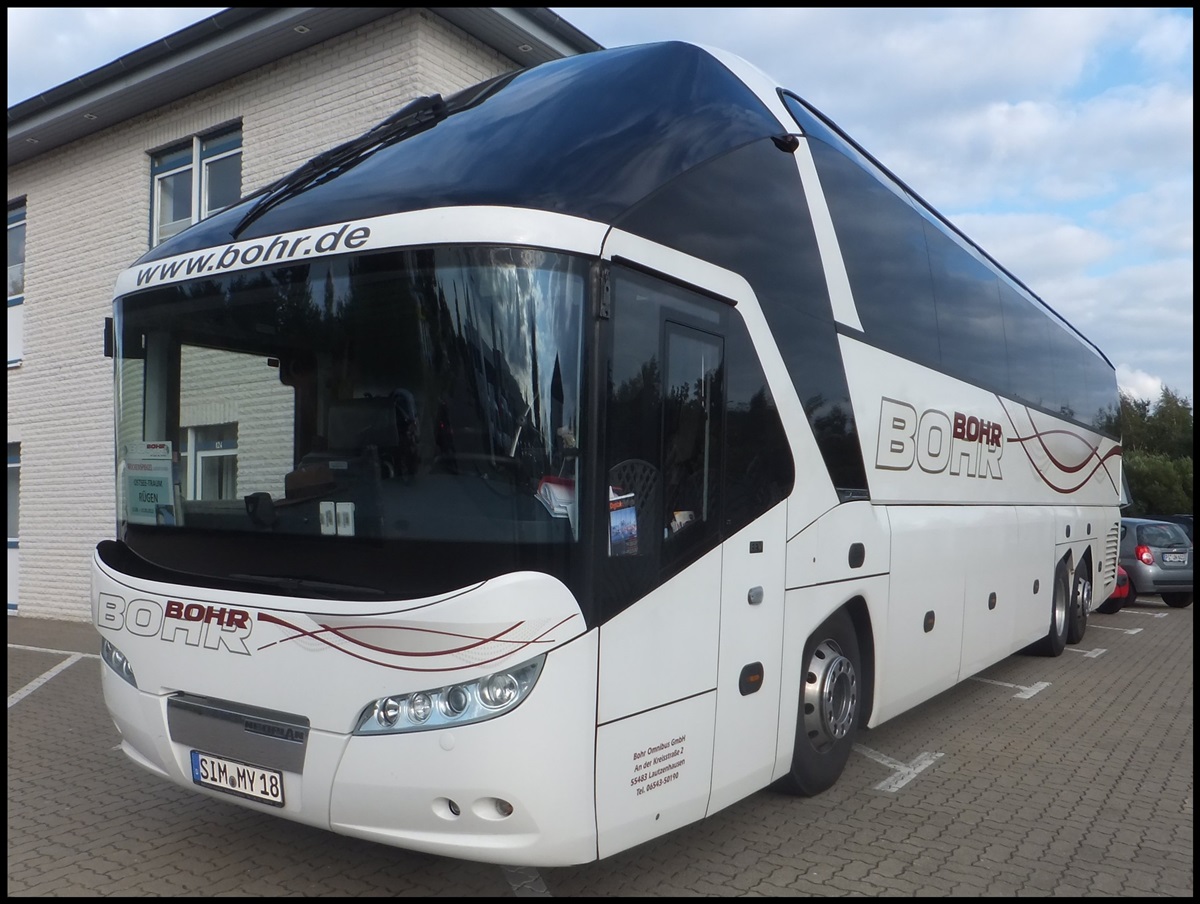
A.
pixel 21 646
pixel 1024 693
pixel 1090 654
pixel 1137 612
pixel 1122 630
pixel 905 772
pixel 33 685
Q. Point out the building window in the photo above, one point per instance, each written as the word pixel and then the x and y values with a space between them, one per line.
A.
pixel 208 456
pixel 16 281
pixel 194 180
pixel 14 512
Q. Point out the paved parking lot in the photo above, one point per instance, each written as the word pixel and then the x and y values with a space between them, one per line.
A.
pixel 1067 776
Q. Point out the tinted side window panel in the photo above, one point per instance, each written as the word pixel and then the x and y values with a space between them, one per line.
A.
pixel 759 471
pixel 1101 406
pixel 1036 364
pixel 882 240
pixel 747 212
pixel 1030 365
pixel 970 325
pixel 1069 380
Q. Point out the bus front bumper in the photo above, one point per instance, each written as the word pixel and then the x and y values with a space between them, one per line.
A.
pixel 515 790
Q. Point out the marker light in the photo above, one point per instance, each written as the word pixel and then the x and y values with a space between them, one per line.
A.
pixel 454 704
pixel 116 661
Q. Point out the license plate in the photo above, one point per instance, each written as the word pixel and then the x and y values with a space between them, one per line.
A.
pixel 1177 558
pixel 240 779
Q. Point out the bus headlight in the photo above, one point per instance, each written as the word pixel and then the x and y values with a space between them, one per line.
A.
pixel 455 704
pixel 116 661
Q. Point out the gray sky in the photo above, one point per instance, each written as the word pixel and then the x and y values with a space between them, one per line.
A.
pixel 1060 140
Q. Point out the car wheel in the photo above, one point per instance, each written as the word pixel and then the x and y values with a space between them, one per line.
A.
pixel 1177 600
pixel 830 699
pixel 1081 604
pixel 1055 640
pixel 1110 606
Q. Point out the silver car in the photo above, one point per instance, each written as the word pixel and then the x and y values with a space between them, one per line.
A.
pixel 1158 558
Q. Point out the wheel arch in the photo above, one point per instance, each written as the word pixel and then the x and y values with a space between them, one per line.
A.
pixel 860 616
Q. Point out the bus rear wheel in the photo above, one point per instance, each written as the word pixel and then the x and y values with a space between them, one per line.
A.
pixel 1081 604
pixel 830 703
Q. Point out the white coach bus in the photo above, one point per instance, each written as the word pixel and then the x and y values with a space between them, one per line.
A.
pixel 566 459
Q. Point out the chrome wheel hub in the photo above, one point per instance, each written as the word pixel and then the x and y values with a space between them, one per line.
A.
pixel 1084 589
pixel 830 696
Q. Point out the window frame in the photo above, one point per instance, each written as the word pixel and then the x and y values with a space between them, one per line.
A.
pixel 16 301
pixel 14 495
pixel 197 446
pixel 194 156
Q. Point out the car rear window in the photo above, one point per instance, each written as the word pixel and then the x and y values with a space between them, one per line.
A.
pixel 1161 535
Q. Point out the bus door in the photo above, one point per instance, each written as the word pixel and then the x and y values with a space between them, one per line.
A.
pixel 751 658
pixel 659 575
pixel 751 561
pixel 690 579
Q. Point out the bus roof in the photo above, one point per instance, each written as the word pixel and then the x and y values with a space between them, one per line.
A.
pixel 588 135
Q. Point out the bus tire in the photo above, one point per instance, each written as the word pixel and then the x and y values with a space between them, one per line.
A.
pixel 1081 603
pixel 830 705
pixel 1055 640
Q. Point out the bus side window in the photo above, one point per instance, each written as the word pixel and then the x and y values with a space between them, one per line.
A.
pixel 664 421
pixel 693 403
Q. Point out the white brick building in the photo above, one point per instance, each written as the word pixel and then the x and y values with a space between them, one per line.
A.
pixel 142 147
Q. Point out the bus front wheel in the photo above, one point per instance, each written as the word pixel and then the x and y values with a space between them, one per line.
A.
pixel 1055 640
pixel 830 702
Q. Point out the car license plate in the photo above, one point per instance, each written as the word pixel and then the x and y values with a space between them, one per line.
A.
pixel 1175 558
pixel 241 779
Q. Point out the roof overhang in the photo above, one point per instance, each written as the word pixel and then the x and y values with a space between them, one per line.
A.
pixel 238 40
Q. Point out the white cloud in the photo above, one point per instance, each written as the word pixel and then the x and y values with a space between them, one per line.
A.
pixel 1167 42
pixel 1058 139
pixel 1138 383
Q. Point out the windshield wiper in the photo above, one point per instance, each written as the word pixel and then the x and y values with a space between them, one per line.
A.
pixel 414 117
pixel 292 585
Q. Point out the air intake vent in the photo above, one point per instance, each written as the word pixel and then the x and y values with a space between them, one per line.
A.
pixel 1112 544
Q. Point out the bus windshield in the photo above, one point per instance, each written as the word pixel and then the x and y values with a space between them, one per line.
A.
pixel 415 407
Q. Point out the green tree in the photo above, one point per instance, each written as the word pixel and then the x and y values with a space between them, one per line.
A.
pixel 1157 443
pixel 1135 414
pixel 1159 484
pixel 1170 426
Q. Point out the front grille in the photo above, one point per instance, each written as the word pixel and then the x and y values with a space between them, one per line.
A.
pixel 262 737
